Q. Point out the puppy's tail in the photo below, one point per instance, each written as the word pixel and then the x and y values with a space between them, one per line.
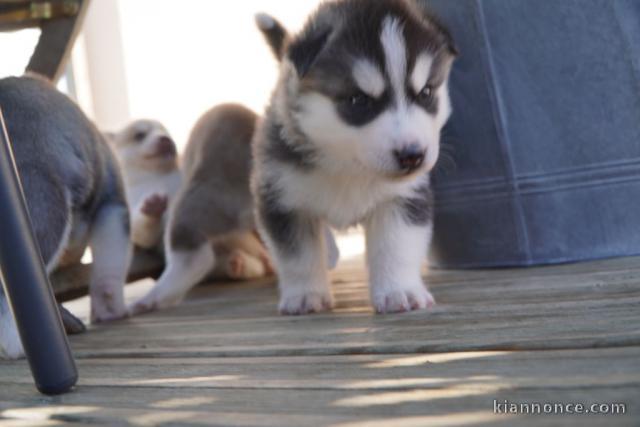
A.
pixel 274 32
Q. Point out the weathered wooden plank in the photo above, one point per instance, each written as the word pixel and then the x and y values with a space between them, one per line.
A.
pixel 596 276
pixel 463 288
pixel 630 264
pixel 353 296
pixel 259 407
pixel 456 288
pixel 549 370
pixel 217 327
pixel 169 411
pixel 225 357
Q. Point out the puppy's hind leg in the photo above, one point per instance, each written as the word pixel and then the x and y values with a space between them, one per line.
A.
pixel 111 250
pixel 240 265
pixel 49 208
pixel 189 257
pixel 243 256
pixel 10 343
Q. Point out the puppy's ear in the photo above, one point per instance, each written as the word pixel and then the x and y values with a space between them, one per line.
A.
pixel 274 33
pixel 305 48
pixel 453 49
pixel 442 63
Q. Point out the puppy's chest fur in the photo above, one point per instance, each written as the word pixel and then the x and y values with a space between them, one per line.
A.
pixel 342 200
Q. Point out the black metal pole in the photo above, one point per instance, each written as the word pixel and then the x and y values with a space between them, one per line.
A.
pixel 27 287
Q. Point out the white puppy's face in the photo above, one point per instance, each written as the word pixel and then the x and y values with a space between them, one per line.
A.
pixel 380 114
pixel 145 144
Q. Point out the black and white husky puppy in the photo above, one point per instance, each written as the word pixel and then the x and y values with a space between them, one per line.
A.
pixel 350 135
pixel 74 194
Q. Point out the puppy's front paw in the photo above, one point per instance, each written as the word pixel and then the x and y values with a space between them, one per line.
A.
pixel 305 303
pixel 142 306
pixel 107 303
pixel 403 299
pixel 155 205
pixel 154 301
pixel 101 313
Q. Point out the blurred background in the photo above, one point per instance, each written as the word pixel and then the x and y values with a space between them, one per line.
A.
pixel 165 60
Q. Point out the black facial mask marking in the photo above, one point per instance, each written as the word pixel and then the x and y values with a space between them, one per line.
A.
pixel 358 108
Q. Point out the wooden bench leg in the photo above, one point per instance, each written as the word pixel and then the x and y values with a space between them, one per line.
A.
pixel 26 285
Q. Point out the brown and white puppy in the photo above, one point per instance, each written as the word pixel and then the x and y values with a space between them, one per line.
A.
pixel 211 222
pixel 152 177
pixel 350 135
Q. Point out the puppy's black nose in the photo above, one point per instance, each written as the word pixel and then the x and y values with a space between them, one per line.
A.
pixel 410 157
pixel 165 146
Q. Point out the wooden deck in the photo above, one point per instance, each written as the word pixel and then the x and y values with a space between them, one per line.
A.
pixel 565 334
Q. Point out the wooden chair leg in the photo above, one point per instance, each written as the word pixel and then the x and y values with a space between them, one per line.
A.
pixel 56 41
pixel 26 285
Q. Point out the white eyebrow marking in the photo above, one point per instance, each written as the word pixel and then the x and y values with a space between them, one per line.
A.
pixel 368 78
pixel 395 52
pixel 421 71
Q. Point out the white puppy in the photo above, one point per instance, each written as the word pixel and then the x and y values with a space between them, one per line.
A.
pixel 152 178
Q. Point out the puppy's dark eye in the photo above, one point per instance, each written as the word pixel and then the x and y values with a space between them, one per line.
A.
pixel 360 101
pixel 139 136
pixel 426 94
pixel 357 108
